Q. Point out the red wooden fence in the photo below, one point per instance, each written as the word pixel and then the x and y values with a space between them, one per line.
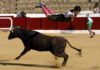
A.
pixel 45 24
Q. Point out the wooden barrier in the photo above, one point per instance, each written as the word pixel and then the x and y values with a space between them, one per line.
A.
pixel 45 24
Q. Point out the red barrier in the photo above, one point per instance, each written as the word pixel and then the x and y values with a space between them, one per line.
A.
pixel 63 25
pixel 33 23
pixel 96 23
pixel 20 22
pixel 79 23
pixel 4 23
pixel 45 24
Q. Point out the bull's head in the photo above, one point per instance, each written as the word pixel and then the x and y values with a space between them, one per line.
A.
pixel 14 33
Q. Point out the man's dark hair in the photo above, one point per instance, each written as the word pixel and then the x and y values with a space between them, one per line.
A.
pixel 77 8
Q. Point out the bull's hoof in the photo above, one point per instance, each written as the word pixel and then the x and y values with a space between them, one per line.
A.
pixel 57 66
pixel 80 53
pixel 17 58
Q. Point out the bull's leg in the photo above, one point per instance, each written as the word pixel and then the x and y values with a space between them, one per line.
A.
pixel 23 53
pixel 64 55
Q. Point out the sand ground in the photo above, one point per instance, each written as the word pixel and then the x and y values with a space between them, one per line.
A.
pixel 35 60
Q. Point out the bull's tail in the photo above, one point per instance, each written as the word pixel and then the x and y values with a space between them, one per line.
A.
pixel 79 50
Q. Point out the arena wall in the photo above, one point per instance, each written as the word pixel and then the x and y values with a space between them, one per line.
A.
pixel 42 23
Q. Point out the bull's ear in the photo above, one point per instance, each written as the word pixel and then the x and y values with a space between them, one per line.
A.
pixel 16 27
pixel 12 29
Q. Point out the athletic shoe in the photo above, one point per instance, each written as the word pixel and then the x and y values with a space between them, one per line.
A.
pixel 93 33
pixel 39 5
pixel 91 36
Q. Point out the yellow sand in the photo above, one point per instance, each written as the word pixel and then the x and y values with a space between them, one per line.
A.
pixel 35 60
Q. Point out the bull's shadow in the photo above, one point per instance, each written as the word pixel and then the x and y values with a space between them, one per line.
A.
pixel 23 64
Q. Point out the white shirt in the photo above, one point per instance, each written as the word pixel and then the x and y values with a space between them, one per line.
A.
pixel 89 19
pixel 68 14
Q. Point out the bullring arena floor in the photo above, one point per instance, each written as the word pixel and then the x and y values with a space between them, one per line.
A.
pixel 34 60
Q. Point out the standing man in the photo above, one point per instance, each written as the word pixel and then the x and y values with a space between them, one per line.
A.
pixel 89 24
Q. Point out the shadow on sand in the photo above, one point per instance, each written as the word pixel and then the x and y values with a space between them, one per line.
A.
pixel 29 65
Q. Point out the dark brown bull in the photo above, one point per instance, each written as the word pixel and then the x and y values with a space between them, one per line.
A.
pixel 40 42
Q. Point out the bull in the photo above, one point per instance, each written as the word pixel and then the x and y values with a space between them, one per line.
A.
pixel 41 42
